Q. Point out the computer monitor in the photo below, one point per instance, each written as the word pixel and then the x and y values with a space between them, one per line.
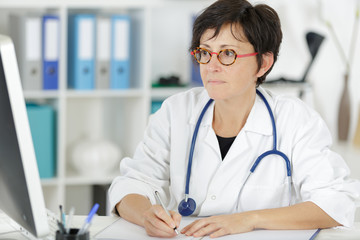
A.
pixel 21 196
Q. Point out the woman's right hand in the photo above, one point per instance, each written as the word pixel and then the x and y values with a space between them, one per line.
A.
pixel 158 223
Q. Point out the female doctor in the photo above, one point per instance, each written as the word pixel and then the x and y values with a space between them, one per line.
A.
pixel 198 154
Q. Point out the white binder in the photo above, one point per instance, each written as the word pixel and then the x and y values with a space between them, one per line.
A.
pixel 103 52
pixel 26 33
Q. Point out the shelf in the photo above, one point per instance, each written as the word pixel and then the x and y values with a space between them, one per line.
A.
pixel 111 4
pixel 33 4
pixel 49 181
pixel 73 178
pixel 53 94
pixel 281 84
pixel 161 93
pixel 45 94
pixel 104 93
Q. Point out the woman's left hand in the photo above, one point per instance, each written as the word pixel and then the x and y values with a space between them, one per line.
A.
pixel 217 226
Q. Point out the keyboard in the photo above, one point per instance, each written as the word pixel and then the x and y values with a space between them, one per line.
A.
pixel 9 229
pixel 53 227
pixel 52 220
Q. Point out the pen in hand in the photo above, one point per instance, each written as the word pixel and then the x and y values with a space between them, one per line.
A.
pixel 163 206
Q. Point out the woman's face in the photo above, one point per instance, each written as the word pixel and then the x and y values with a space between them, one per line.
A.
pixel 228 82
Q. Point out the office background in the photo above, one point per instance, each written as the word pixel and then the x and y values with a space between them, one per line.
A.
pixel 160 32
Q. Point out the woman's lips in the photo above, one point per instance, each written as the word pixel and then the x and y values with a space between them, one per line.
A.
pixel 215 82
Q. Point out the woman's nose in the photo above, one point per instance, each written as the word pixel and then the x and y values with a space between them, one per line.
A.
pixel 214 63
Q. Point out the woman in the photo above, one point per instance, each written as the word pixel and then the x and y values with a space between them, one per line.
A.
pixel 236 45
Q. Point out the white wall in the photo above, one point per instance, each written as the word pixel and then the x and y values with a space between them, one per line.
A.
pixel 326 74
pixel 172 32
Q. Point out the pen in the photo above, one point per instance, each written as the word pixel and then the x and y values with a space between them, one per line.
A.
pixel 69 219
pixel 61 227
pixel 87 222
pixel 163 206
pixel 61 214
pixel 63 221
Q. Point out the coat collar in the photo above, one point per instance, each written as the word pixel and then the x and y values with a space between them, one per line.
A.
pixel 258 121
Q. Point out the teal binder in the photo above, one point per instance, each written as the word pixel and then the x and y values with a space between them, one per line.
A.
pixel 42 126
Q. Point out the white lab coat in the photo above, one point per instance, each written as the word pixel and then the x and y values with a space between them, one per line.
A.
pixel 160 160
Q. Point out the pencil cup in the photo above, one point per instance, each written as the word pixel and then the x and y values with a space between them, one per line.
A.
pixel 72 235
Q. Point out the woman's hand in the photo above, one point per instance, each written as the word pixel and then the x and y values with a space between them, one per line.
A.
pixel 158 224
pixel 217 226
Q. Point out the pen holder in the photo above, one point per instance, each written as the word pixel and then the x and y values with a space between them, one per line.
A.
pixel 72 235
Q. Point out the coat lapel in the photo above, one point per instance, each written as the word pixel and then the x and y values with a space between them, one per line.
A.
pixel 257 125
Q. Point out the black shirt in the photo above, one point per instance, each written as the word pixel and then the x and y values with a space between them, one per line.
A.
pixel 225 144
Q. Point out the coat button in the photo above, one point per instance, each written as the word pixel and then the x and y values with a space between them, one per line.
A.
pixel 213 197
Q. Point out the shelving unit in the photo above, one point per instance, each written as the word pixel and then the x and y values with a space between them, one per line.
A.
pixel 116 115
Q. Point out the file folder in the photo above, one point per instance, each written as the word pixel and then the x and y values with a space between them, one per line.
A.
pixel 50 51
pixel 25 31
pixel 103 52
pixel 81 51
pixel 120 43
pixel 42 126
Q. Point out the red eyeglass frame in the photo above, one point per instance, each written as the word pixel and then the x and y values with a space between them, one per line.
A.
pixel 217 54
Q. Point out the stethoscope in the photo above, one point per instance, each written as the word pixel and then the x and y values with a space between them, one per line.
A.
pixel 188 205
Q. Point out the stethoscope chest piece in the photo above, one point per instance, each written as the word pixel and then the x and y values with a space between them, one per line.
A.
pixel 186 208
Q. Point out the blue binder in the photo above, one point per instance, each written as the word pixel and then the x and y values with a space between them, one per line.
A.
pixel 50 51
pixel 120 54
pixel 42 126
pixel 81 51
pixel 195 74
pixel 195 68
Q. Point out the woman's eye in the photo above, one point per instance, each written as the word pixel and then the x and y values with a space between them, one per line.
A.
pixel 204 53
pixel 229 53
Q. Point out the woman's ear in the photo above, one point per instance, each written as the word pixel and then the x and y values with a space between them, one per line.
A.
pixel 267 62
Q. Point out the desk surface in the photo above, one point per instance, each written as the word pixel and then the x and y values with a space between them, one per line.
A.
pixel 100 222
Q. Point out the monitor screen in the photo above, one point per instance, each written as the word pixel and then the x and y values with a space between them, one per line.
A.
pixel 21 196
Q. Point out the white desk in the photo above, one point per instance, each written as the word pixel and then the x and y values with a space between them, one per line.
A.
pixel 100 223
pixel 351 155
pixel 340 234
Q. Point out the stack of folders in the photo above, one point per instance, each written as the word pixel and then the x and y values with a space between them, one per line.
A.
pixel 36 39
pixel 98 51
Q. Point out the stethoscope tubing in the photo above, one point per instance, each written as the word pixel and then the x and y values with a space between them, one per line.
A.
pixel 274 151
pixel 191 153
pixel 271 117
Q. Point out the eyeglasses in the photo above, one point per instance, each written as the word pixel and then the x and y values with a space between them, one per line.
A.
pixel 226 56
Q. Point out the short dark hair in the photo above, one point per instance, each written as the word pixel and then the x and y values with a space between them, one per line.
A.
pixel 260 23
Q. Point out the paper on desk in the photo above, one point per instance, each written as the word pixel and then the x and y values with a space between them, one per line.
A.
pixel 124 230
